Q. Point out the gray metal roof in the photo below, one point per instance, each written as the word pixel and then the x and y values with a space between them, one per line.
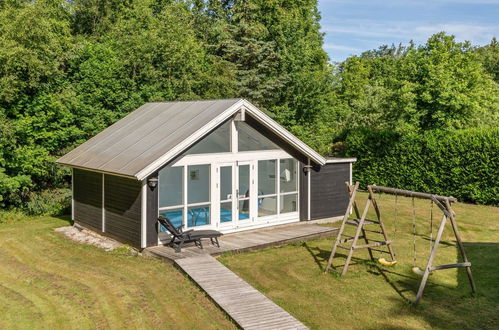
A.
pixel 153 134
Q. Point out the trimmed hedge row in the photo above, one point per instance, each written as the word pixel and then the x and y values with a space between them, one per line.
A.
pixel 462 163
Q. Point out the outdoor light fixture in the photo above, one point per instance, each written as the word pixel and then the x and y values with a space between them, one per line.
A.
pixel 307 168
pixel 152 182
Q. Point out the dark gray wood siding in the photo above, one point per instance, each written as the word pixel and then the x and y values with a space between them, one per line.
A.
pixel 123 209
pixel 87 195
pixel 303 194
pixel 152 215
pixel 328 194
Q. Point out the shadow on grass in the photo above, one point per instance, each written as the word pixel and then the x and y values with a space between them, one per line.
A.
pixel 456 307
pixel 442 305
pixel 321 258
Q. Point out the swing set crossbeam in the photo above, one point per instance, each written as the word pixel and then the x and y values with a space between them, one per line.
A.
pixel 410 193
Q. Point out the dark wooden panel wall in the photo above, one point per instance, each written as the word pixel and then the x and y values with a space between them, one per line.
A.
pixel 303 193
pixel 328 194
pixel 87 195
pixel 152 214
pixel 123 209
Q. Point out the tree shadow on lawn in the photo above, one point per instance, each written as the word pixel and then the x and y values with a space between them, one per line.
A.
pixel 442 305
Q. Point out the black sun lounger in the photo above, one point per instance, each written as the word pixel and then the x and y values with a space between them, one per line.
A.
pixel 179 236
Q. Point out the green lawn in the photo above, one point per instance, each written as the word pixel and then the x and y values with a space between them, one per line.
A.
pixel 48 281
pixel 373 297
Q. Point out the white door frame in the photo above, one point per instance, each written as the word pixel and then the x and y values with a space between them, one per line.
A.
pixel 215 191
pixel 253 205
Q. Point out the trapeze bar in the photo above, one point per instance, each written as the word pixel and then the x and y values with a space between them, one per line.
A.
pixel 410 193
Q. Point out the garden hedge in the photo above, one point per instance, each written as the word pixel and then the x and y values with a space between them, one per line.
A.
pixel 459 163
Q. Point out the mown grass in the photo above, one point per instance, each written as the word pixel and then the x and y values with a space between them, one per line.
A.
pixel 48 281
pixel 374 297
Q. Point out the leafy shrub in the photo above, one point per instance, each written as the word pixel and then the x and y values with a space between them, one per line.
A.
pixel 462 163
pixel 49 202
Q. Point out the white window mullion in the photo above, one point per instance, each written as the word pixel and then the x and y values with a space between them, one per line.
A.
pixel 278 187
pixel 184 211
pixel 233 137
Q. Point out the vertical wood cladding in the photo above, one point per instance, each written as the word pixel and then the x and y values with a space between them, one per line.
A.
pixel 87 195
pixel 123 209
pixel 152 215
pixel 329 197
pixel 303 194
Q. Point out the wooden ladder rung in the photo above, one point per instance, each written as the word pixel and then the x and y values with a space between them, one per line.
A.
pixel 355 222
pixel 380 243
pixel 373 231
pixel 380 251
pixel 460 264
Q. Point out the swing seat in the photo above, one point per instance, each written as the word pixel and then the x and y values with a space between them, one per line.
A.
pixel 418 271
pixel 385 262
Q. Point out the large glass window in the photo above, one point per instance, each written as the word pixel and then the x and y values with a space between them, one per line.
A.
pixel 198 195
pixel 196 212
pixel 198 184
pixel 270 200
pixel 249 139
pixel 288 185
pixel 216 141
pixel 267 191
pixel 171 187
pixel 171 195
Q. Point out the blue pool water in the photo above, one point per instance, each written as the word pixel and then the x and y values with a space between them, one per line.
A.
pixel 198 217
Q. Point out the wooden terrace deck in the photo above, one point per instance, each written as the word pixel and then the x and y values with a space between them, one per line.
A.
pixel 245 241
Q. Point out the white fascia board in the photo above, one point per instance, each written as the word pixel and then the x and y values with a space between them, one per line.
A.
pixel 284 133
pixel 151 168
pixel 341 160
pixel 256 113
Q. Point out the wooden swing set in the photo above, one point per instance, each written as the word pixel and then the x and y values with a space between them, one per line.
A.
pixel 365 226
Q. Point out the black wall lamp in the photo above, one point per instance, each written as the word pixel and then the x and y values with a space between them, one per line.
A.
pixel 152 182
pixel 307 168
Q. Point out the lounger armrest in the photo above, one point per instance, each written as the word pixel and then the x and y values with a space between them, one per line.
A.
pixel 188 231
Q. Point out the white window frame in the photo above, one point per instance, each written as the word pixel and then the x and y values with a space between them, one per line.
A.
pixel 235 157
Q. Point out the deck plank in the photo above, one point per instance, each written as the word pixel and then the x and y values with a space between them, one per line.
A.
pixel 248 307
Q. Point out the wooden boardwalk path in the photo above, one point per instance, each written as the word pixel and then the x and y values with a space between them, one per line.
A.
pixel 244 304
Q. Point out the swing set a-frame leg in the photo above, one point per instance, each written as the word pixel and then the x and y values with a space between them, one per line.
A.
pixel 427 270
pixel 448 215
pixel 460 245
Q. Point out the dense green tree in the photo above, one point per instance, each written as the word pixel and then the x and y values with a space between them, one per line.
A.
pixel 69 69
pixel 489 56
pixel 441 84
